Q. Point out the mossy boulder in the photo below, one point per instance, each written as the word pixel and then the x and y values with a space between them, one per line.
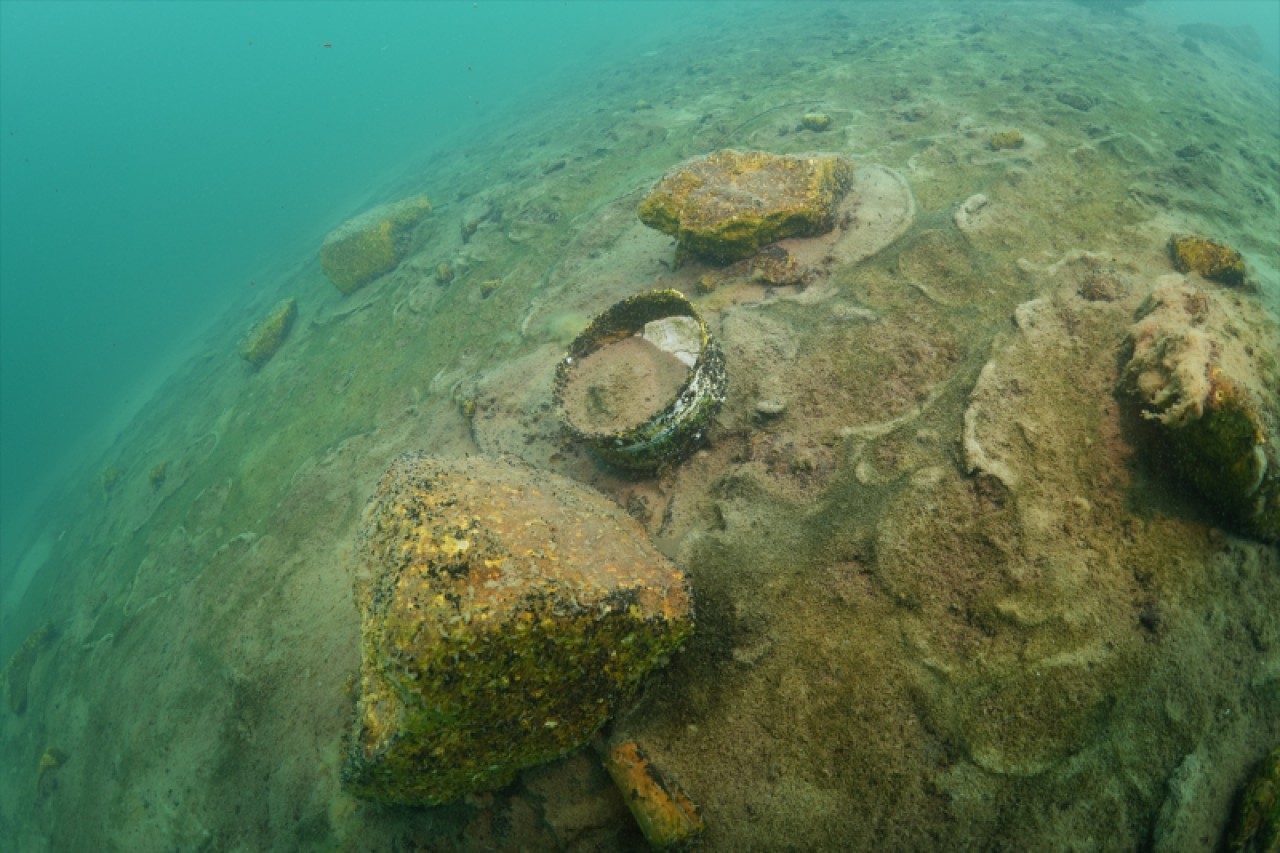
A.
pixel 723 207
pixel 1206 258
pixel 1204 373
pixel 506 614
pixel 268 334
pixel 372 244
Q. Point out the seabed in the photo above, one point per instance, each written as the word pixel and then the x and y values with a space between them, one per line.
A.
pixel 944 600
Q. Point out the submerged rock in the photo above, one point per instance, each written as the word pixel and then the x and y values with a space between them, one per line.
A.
pixel 723 207
pixel 1005 140
pixel 506 614
pixel 268 334
pixel 372 244
pixel 1256 824
pixel 1205 375
pixel 815 121
pixel 1076 101
pixel 664 812
pixel 1206 258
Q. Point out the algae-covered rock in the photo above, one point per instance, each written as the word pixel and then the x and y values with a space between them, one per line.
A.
pixel 1256 824
pixel 1005 140
pixel 51 760
pixel 815 121
pixel 723 207
pixel 110 478
pixel 1204 374
pixel 268 334
pixel 506 615
pixel 1206 258
pixel 372 244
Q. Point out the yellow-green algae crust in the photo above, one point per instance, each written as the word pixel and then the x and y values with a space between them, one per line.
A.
pixel 372 244
pixel 506 615
pixel 1206 258
pixel 1005 140
pixel 268 334
pixel 723 207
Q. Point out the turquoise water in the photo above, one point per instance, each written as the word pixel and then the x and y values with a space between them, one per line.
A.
pixel 159 159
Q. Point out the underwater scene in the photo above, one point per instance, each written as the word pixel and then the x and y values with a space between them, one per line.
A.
pixel 612 426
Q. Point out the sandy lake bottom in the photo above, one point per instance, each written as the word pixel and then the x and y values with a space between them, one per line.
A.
pixel 896 648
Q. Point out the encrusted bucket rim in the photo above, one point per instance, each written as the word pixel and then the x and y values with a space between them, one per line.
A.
pixel 657 439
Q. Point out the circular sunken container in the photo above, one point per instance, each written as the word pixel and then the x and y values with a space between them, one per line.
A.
pixel 642 384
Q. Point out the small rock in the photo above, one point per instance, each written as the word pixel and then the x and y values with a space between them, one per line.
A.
pixel 1076 101
pixel 156 476
pixel 1006 140
pixel 1206 258
pixel 770 408
pixel 666 815
pixel 815 121
pixel 966 215
pixel 269 333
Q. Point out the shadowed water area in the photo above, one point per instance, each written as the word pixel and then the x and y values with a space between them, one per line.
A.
pixel 948 591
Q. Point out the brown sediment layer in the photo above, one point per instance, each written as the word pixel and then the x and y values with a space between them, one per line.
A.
pixel 622 385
